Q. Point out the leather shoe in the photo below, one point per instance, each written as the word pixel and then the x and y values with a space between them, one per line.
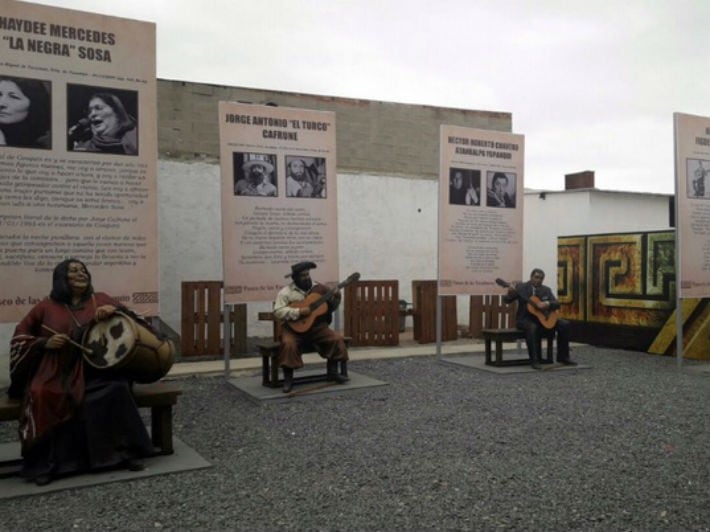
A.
pixel 135 464
pixel 333 375
pixel 337 378
pixel 43 480
pixel 567 362
pixel 536 365
pixel 288 380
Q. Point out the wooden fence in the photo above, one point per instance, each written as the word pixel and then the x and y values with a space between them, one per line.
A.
pixel 202 319
pixel 371 312
pixel 424 313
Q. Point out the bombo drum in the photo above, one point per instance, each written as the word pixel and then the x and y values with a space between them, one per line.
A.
pixel 122 344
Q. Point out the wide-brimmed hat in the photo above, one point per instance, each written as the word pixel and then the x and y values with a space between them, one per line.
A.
pixel 294 159
pixel 301 267
pixel 251 159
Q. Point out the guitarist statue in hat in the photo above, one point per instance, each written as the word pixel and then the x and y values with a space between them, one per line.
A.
pixel 536 316
pixel 297 331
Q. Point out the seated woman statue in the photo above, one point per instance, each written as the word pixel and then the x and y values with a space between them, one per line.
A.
pixel 74 418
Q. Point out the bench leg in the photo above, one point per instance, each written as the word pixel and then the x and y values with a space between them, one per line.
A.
pixel 499 352
pixel 274 383
pixel 162 428
pixel 488 352
pixel 550 347
pixel 265 369
pixel 269 367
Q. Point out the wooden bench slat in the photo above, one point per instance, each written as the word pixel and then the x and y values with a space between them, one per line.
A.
pixel 489 312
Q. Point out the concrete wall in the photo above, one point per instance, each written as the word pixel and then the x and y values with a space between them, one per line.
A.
pixel 387 230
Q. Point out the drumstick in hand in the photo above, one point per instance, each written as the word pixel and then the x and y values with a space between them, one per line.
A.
pixel 72 342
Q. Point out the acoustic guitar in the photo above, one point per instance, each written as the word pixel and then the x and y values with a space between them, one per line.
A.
pixel 547 318
pixel 318 303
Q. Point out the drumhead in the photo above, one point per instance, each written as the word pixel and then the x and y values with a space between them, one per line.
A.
pixel 110 341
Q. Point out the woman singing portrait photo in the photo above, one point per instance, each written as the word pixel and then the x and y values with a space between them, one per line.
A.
pixel 102 120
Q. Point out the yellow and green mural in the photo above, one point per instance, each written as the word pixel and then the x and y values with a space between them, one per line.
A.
pixel 618 290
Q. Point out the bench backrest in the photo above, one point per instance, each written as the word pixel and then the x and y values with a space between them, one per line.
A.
pixel 490 312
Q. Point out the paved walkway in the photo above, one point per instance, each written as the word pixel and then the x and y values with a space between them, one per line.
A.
pixel 239 366
pixel 406 348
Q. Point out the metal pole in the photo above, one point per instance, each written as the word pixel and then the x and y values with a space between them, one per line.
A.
pixel 438 324
pixel 678 307
pixel 438 250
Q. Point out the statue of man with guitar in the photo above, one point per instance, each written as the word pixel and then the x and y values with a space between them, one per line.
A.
pixel 305 311
pixel 537 316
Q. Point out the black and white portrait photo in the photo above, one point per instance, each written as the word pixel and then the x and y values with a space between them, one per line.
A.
pixel 697 171
pixel 500 189
pixel 254 174
pixel 305 177
pixel 464 186
pixel 102 120
pixel 25 112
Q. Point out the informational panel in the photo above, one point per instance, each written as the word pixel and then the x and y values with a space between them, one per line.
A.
pixel 480 210
pixel 78 154
pixel 279 197
pixel 692 144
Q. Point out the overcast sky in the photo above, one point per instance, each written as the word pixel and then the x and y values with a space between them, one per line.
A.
pixel 592 85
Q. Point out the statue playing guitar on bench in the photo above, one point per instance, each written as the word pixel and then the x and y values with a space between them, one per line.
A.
pixel 305 310
pixel 537 317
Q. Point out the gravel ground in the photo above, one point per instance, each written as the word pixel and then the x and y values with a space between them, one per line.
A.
pixel 623 446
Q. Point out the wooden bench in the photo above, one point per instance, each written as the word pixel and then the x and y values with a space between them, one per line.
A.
pixel 510 335
pixel 269 351
pixel 159 397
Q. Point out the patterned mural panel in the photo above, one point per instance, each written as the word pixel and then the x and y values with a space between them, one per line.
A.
pixel 571 277
pixel 631 278
pixel 621 279
pixel 619 290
